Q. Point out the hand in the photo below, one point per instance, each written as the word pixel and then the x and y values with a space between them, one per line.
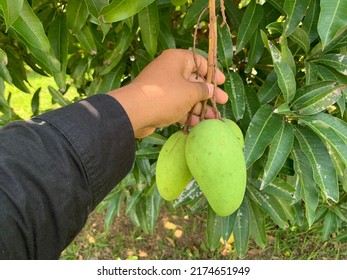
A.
pixel 166 90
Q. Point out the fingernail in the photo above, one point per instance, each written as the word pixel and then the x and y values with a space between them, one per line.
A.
pixel 210 89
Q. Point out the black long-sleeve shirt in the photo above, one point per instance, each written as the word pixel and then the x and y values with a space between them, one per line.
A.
pixel 54 170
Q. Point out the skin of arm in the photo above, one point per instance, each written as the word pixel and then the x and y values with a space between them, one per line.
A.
pixel 166 90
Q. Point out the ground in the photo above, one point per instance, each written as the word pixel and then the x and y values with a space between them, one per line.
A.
pixel 183 237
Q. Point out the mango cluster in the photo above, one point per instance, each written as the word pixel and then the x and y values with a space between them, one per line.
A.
pixel 212 154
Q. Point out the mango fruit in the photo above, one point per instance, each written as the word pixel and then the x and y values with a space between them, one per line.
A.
pixel 237 131
pixel 172 172
pixel 217 163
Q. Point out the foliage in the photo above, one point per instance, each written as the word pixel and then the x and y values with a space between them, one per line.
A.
pixel 285 64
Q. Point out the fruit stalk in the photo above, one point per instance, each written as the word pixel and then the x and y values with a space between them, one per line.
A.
pixel 212 58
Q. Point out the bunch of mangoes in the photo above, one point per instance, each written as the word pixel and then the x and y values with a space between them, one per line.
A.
pixel 212 154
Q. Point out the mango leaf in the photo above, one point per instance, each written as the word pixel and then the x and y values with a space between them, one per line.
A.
pixel 310 21
pixel 213 233
pixel 257 224
pixel 86 39
pixel 234 14
pixel 287 55
pixel 241 229
pixel 329 225
pixel 122 9
pixel 153 202
pixel 58 37
pixel 149 26
pixel 336 61
pixel 4 73
pixel 281 189
pixel 193 13
pixel 309 189
pixel 35 102
pixel 225 47
pixel 269 89
pixel 95 6
pixel 260 133
pixel 277 4
pixel 255 52
pixel 324 172
pixel 310 104
pixel 332 18
pixel 11 10
pixel 252 106
pixel 295 10
pixel 249 24
pixel 285 75
pixel 328 134
pixel 311 73
pixel 279 150
pixel 76 15
pixel 270 205
pixel 165 37
pixel 58 97
pixel 113 209
pixel 301 37
pixel 29 29
pixel 235 88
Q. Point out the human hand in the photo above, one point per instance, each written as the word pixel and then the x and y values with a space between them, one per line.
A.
pixel 166 90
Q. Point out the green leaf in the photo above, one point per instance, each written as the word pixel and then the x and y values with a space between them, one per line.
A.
pixel 249 24
pixel 76 15
pixel 235 88
pixel 255 51
pixel 165 37
pixel 269 89
pixel 225 46
pixel 35 102
pixel 30 30
pixel 11 10
pixel 317 100
pixel 113 209
pixel 58 97
pixel 241 229
pixel 280 189
pixel 252 106
pixel 332 18
pixel 311 73
pixel 270 205
pixel 309 189
pixel 285 75
pixel 279 150
pixel 149 26
pixel 213 229
pixel 287 55
pixel 4 73
pixel 193 13
pixel 326 120
pixel 95 6
pixel 86 39
pixel 310 21
pixel 257 224
pixel 59 39
pixel 329 225
pixel 152 209
pixel 122 9
pixel 324 172
pixel 261 131
pixel 328 134
pixel 295 10
pixel 300 37
pixel 336 61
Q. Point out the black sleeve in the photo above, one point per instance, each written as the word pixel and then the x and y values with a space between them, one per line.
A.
pixel 54 170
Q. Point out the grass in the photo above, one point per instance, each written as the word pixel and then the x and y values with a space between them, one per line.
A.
pixel 179 235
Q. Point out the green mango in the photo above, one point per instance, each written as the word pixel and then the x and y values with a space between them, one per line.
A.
pixel 217 163
pixel 172 172
pixel 237 131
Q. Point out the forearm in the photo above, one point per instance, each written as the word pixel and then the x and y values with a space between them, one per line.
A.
pixel 55 169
